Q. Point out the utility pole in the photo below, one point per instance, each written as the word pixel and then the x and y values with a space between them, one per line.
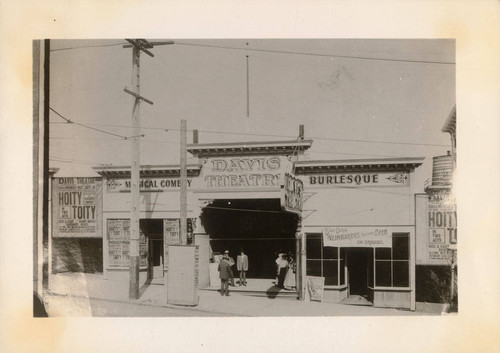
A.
pixel 183 201
pixel 138 46
pixel 46 179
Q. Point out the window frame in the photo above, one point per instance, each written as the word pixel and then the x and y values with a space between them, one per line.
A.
pixel 339 260
pixel 392 261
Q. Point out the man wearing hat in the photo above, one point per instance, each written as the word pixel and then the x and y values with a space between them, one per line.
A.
pixel 230 260
pixel 224 274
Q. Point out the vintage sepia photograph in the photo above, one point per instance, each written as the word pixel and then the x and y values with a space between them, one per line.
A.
pixel 245 177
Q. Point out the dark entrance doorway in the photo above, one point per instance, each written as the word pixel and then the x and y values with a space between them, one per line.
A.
pixel 256 225
pixel 359 262
pixel 153 231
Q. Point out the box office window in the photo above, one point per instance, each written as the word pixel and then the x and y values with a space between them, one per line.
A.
pixel 392 265
pixel 324 261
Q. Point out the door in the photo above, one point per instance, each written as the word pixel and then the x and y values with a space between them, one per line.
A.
pixel 358 264
pixel 156 257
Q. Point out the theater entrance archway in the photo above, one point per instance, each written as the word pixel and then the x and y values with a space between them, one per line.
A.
pixel 259 226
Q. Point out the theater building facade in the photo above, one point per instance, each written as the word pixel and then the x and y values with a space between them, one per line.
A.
pixel 349 222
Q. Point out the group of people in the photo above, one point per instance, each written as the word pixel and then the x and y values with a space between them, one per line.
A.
pixel 285 274
pixel 286 268
pixel 225 269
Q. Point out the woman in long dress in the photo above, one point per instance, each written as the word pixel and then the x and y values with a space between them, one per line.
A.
pixel 290 274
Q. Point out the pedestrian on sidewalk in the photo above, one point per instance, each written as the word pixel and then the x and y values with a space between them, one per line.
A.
pixel 282 267
pixel 242 266
pixel 224 274
pixel 230 260
pixel 290 282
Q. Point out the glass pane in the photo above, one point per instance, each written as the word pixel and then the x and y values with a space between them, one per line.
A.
pixel 330 272
pixel 342 272
pixel 383 253
pixel 313 246
pixel 383 273
pixel 313 268
pixel 370 270
pixel 401 272
pixel 401 247
pixel 330 252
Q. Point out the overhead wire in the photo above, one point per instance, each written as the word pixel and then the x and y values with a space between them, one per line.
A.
pixel 315 54
pixel 274 135
pixel 88 46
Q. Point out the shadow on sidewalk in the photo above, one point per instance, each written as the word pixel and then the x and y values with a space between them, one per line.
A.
pixel 272 292
pixel 144 287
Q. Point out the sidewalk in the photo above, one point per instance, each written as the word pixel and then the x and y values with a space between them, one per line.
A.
pixel 93 286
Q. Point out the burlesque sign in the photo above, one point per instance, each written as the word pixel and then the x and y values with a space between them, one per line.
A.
pixel 244 172
pixel 385 179
pixel 372 237
pixel 76 207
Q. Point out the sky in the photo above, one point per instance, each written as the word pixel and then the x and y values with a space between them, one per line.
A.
pixel 357 98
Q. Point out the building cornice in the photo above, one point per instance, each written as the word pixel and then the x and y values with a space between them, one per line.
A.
pixel 248 148
pixel 172 170
pixel 358 165
pixel 450 125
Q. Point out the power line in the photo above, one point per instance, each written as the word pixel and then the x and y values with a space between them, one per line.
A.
pixel 88 46
pixel 92 128
pixel 316 54
pixel 273 135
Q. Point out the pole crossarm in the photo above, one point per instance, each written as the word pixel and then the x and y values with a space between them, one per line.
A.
pixel 141 44
pixel 137 96
pixel 150 45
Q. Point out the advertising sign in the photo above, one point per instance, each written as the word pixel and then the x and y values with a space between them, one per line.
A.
pixel 244 172
pixel 171 236
pixel 442 226
pixel 76 207
pixel 316 287
pixel 370 237
pixel 357 180
pixel 291 194
pixel 146 184
pixel 118 231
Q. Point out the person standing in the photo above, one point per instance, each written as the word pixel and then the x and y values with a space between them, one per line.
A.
pixel 230 260
pixel 242 266
pixel 289 282
pixel 224 274
pixel 282 267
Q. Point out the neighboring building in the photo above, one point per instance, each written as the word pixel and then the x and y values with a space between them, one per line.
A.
pixel 351 222
pixel 436 227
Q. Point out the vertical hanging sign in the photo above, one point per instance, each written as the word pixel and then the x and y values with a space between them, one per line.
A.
pixel 171 233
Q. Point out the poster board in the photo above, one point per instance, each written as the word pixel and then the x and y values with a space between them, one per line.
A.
pixel 76 207
pixel 315 288
pixel 118 231
pixel 436 223
pixel 182 279
pixel 171 236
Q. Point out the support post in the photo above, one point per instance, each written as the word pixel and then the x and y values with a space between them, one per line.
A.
pixel 183 200
pixel 135 178
pixel 46 179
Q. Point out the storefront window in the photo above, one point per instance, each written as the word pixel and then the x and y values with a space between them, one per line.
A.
pixel 324 261
pixel 392 265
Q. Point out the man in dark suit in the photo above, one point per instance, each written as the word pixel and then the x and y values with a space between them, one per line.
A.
pixel 242 266
pixel 224 274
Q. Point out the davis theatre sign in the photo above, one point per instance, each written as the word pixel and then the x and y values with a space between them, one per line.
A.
pixel 244 172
